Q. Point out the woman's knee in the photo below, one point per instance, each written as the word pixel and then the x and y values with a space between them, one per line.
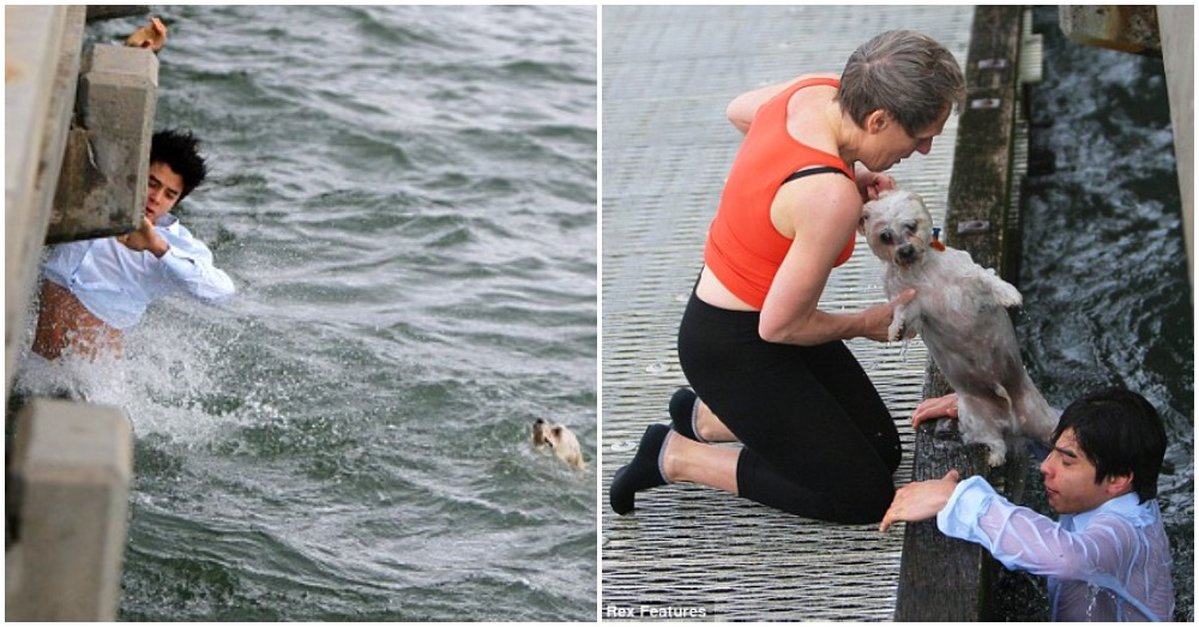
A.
pixel 868 504
pixel 865 497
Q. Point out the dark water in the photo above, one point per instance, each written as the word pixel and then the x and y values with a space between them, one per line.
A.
pixel 405 198
pixel 1106 296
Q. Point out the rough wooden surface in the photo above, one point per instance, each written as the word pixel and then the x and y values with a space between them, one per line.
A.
pixel 940 578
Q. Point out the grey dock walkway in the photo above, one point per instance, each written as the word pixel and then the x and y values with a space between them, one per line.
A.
pixel 668 74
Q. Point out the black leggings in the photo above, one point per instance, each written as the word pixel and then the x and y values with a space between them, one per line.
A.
pixel 819 442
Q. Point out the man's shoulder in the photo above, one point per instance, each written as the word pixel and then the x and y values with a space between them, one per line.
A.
pixel 1127 513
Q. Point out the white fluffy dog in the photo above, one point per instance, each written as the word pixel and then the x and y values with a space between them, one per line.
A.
pixel 561 440
pixel 960 311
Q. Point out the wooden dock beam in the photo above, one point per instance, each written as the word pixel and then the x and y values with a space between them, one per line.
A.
pixel 941 578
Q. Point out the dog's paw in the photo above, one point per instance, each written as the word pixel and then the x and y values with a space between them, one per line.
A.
pixel 1007 294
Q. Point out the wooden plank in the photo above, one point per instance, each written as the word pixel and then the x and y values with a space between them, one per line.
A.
pixel 940 578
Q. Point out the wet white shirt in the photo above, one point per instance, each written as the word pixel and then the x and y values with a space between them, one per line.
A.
pixel 1111 563
pixel 117 284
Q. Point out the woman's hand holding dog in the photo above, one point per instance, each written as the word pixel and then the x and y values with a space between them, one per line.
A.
pixel 871 184
pixel 876 320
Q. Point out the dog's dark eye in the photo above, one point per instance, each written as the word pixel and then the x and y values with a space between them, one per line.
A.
pixel 911 226
pixel 885 237
pixel 557 430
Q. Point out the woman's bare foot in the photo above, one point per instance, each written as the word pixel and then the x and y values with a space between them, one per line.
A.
pixel 689 461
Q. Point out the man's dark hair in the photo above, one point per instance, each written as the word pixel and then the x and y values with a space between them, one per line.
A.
pixel 1120 433
pixel 177 149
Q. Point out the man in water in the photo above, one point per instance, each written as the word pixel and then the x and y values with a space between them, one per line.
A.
pixel 1108 559
pixel 93 290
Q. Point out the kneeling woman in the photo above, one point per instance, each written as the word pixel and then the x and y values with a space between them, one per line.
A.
pixel 771 368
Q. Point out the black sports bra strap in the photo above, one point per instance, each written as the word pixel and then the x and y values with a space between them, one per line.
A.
pixel 810 171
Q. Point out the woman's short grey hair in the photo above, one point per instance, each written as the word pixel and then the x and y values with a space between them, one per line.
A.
pixel 904 73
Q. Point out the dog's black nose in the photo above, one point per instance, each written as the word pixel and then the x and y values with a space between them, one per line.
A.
pixel 906 252
pixel 539 421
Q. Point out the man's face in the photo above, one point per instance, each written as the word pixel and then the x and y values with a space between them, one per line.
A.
pixel 165 188
pixel 1070 478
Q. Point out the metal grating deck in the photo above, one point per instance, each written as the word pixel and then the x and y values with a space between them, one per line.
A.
pixel 668 74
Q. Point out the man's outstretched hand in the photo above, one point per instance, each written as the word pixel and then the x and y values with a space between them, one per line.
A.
pixel 152 36
pixel 145 238
pixel 933 408
pixel 920 500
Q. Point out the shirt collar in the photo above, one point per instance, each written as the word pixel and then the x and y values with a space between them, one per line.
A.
pixel 1126 506
pixel 166 221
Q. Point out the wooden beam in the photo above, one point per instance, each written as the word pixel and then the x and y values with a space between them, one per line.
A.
pixel 941 578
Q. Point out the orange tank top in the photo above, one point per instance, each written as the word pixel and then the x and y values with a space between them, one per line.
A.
pixel 744 249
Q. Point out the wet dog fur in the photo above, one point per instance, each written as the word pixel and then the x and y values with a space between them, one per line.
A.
pixel 960 310
pixel 561 439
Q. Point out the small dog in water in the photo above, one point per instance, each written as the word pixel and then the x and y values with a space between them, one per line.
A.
pixel 561 439
pixel 960 311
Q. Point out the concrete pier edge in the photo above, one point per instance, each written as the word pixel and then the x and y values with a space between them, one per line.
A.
pixel 69 466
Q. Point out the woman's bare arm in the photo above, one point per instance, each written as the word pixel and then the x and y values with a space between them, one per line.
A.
pixel 742 109
pixel 830 212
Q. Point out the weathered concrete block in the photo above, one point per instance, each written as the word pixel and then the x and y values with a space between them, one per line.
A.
pixel 105 193
pixel 42 70
pixel 1177 25
pixel 75 462
pixel 1128 28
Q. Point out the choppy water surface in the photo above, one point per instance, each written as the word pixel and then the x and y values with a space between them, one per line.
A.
pixel 405 197
pixel 1106 295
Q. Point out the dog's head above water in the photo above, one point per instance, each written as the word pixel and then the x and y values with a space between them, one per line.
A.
pixel 898 227
pixel 560 439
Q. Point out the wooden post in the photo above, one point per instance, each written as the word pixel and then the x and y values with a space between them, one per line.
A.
pixel 941 578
